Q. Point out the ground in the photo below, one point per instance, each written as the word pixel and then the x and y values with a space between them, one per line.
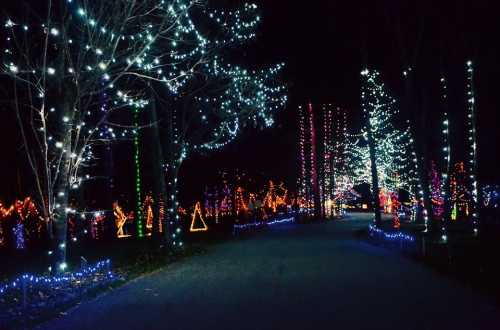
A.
pixel 290 277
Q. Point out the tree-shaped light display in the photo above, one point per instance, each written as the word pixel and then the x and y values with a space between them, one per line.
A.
pixel 380 155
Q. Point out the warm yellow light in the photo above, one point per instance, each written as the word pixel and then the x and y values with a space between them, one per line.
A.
pixel 120 219
pixel 197 210
pixel 148 205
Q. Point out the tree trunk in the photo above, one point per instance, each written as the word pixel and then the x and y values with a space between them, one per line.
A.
pixel 173 230
pixel 159 186
pixel 108 156
pixel 60 216
pixel 429 220
pixel 61 191
pixel 375 186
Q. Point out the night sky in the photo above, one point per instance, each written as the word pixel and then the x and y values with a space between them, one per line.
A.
pixel 325 45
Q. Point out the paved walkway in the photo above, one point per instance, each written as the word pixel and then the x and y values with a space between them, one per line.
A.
pixel 290 277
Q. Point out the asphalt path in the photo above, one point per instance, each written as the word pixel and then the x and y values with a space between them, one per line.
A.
pixel 318 276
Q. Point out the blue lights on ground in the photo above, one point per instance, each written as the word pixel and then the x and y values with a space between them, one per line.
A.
pixel 102 267
pixel 263 223
pixel 390 236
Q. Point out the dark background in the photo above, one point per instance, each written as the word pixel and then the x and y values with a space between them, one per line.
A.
pixel 325 45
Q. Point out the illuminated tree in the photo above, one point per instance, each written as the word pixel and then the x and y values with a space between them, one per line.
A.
pixel 382 151
pixel 75 66
pixel 311 186
pixel 321 158
pixel 327 161
pixel 218 100
pixel 305 192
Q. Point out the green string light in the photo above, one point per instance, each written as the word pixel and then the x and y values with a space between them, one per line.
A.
pixel 139 216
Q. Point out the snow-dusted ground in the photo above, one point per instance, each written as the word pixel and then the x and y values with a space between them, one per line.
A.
pixel 290 277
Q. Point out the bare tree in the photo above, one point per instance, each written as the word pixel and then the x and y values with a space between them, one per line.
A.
pixel 213 100
pixel 74 68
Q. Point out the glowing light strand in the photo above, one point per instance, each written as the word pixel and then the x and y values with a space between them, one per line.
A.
pixel 471 102
pixel 33 280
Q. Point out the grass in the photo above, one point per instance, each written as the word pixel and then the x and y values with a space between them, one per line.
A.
pixel 471 260
pixel 130 258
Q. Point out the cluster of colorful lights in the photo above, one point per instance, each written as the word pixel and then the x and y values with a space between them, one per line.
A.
pixel 24 212
pixel 448 191
pixel 459 194
pixel 436 193
pixel 241 205
pixel 22 208
pixel 322 184
pixel 275 197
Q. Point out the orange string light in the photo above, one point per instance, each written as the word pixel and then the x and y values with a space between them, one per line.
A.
pixel 120 219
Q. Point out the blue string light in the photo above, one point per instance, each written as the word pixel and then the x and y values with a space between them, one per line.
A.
pixel 32 280
pixel 390 236
pixel 19 234
pixel 491 196
pixel 263 223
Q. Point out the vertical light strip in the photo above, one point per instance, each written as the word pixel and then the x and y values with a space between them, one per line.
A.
pixel 446 159
pixel 138 193
pixel 302 158
pixel 472 163
pixel 314 173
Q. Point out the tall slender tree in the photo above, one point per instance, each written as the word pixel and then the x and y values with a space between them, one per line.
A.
pixel 383 152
